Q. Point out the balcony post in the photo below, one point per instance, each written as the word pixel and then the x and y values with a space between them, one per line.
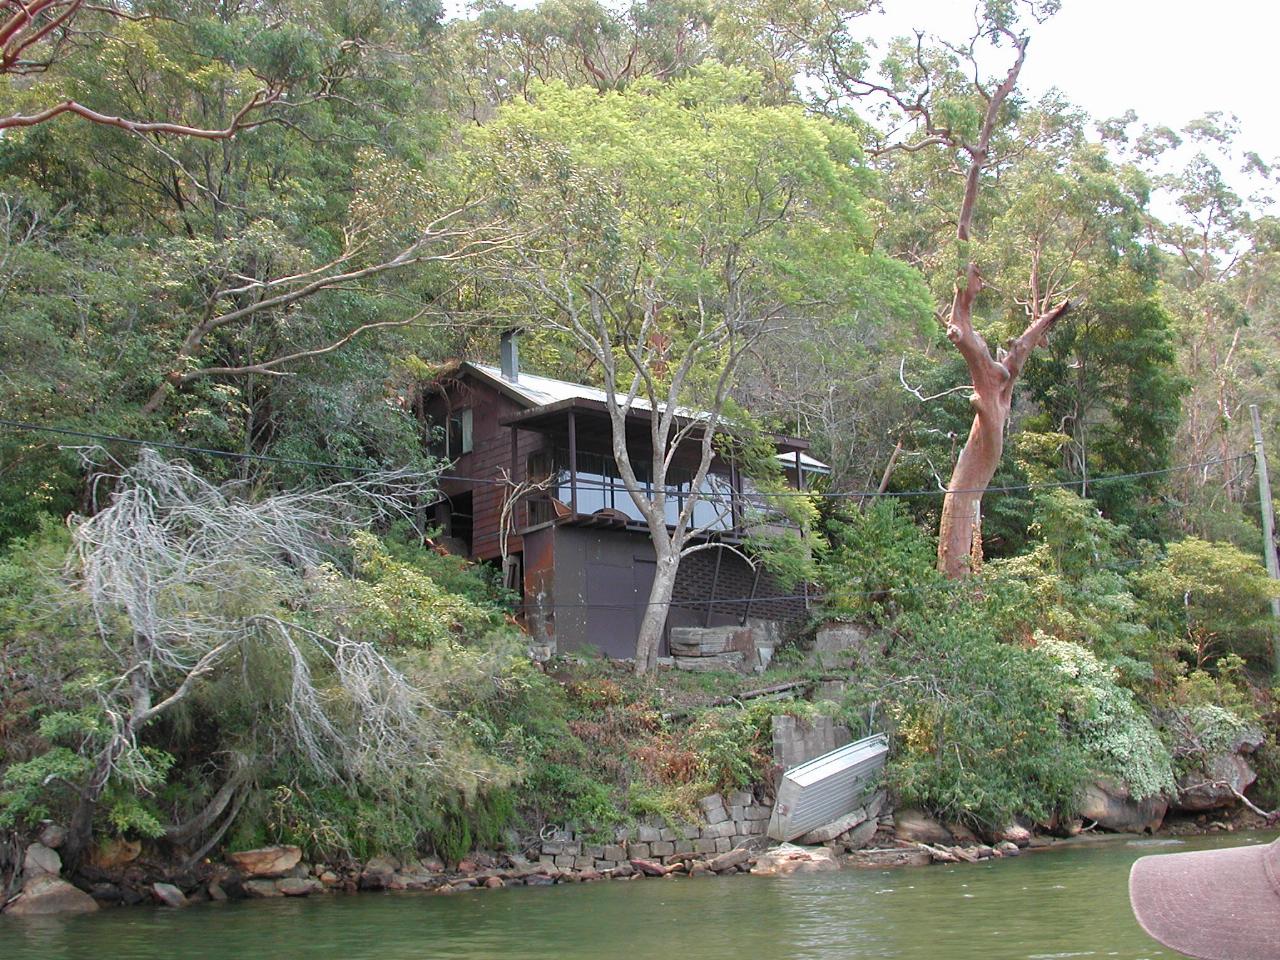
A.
pixel 735 499
pixel 515 465
pixel 573 462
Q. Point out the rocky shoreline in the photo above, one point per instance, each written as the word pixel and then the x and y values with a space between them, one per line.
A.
pixel 732 841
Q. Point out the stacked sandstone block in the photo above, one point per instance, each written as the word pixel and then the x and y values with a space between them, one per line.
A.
pixel 731 821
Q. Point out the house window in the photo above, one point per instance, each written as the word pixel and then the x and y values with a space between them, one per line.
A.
pixel 600 488
pixel 460 438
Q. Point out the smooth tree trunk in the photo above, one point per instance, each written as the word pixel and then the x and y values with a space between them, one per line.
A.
pixel 992 377
pixel 960 529
pixel 653 623
pixel 959 532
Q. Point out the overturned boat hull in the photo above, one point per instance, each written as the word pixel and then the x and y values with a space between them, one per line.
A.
pixel 826 787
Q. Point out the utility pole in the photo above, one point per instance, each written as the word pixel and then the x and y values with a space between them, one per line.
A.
pixel 1268 531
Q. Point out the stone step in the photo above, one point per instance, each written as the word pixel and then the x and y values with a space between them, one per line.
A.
pixel 707 641
pixel 703 664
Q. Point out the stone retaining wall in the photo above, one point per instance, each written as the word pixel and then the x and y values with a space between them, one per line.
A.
pixel 731 821
pixel 797 741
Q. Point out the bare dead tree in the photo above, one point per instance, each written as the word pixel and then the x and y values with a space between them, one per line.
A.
pixel 514 493
pixel 183 577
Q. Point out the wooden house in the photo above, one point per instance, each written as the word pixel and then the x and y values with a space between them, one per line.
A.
pixel 577 550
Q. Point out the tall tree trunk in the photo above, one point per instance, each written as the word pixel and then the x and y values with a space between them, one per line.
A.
pixel 959 540
pixel 655 614
pixel 959 544
pixel 958 551
pixel 80 827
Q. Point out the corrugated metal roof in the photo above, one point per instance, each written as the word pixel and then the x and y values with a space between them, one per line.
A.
pixel 807 463
pixel 827 787
pixel 541 391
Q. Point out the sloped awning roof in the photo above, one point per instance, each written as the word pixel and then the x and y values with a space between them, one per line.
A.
pixel 538 391
pixel 807 463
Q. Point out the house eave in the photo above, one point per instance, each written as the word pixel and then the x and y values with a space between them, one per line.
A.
pixel 549 416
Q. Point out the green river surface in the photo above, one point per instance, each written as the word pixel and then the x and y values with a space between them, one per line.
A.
pixel 1062 903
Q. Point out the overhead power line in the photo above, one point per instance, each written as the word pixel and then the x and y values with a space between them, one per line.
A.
pixel 588 605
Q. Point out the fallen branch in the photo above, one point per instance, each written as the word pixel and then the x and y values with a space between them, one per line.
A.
pixel 1271 816
pixel 757 693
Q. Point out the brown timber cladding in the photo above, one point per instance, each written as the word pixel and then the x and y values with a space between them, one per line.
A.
pixel 490 455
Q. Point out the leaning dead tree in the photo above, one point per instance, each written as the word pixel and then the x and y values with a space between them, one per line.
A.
pixel 185 580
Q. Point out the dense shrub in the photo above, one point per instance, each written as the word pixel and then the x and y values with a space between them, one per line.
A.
pixel 1118 738
pixel 974 715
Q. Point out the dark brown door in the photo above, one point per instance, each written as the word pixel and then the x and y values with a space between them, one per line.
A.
pixel 616 598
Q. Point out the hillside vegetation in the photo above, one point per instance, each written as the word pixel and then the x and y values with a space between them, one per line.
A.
pixel 223 621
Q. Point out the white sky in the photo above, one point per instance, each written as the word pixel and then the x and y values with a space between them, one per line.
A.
pixel 1170 60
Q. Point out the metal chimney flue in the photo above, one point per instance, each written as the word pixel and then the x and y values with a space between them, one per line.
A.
pixel 509 352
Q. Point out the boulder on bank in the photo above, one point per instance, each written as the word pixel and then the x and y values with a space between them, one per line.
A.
pixel 861 835
pixel 728 861
pixel 1221 777
pixel 169 895
pixel 651 868
pixel 299 886
pixel 786 859
pixel 1112 808
pixel 266 861
pixel 40 861
pixel 1016 834
pixel 379 873
pixel 261 889
pixel 837 827
pixel 53 835
pixel 113 854
pixel 918 827
pixel 48 895
pixel 960 832
pixel 1216 785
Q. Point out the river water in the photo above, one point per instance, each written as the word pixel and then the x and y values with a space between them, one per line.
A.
pixel 1067 903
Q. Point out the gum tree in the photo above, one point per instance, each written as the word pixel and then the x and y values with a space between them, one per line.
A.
pixel 934 95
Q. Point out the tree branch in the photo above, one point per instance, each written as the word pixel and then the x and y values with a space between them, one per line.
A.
pixel 241 121
pixel 1021 348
